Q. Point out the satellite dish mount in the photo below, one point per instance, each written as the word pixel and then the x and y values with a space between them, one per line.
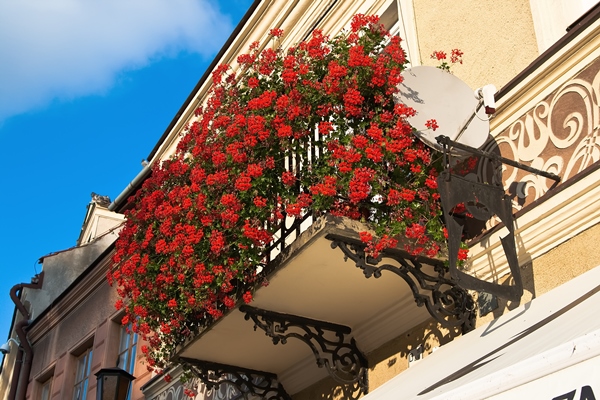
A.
pixel 463 118
pixel 483 201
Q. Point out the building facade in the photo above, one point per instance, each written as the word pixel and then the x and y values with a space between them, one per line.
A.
pixel 349 335
pixel 71 329
pixel 546 118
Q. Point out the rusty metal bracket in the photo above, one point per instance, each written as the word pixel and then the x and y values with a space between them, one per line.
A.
pixel 245 383
pixel 329 342
pixel 445 301
pixel 482 201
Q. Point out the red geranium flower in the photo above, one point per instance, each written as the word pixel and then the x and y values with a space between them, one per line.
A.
pixel 310 128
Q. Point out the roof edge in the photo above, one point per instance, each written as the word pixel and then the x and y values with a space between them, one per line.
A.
pixel 204 77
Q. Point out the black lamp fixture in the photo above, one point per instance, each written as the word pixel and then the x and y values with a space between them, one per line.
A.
pixel 113 384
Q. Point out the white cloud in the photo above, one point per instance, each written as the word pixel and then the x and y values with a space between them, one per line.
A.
pixel 68 48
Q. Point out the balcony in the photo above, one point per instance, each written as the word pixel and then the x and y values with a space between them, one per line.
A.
pixel 325 303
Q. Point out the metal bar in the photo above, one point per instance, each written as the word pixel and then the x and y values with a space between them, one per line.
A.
pixel 330 343
pixel 445 140
pixel 466 125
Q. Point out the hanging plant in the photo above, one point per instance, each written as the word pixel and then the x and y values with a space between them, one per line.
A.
pixel 201 222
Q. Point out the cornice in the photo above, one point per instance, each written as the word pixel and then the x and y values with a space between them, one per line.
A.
pixel 542 228
pixel 556 71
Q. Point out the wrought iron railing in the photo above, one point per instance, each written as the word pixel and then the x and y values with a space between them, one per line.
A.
pixel 291 227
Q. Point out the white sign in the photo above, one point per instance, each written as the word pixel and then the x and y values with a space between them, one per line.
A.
pixel 578 382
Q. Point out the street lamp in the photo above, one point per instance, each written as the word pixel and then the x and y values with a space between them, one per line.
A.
pixel 113 384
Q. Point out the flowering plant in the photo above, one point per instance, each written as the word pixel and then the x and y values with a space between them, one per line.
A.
pixel 441 56
pixel 201 223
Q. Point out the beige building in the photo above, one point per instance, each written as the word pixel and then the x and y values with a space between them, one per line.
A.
pixel 65 321
pixel 543 57
pixel 353 337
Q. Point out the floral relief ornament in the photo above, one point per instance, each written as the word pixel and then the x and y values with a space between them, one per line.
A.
pixel 200 224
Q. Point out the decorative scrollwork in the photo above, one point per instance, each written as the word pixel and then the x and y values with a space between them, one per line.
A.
pixel 445 301
pixel 247 383
pixel 329 343
pixel 558 134
pixel 173 392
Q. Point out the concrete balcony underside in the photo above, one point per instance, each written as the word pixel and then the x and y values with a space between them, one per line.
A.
pixel 312 280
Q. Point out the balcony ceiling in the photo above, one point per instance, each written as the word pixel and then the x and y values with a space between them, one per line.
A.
pixel 312 281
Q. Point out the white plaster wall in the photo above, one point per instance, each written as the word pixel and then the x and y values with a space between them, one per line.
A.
pixel 62 269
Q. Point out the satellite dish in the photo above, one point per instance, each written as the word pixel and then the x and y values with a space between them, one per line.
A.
pixel 439 95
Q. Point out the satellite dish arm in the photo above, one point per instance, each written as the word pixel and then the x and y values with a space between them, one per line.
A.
pixel 446 142
pixel 485 97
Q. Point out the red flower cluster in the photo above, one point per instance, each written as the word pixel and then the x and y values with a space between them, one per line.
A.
pixel 438 55
pixel 313 128
pixel 431 124
pixel 455 58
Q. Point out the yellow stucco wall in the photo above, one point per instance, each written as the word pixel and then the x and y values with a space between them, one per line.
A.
pixel 541 275
pixel 392 358
pixel 553 269
pixel 495 50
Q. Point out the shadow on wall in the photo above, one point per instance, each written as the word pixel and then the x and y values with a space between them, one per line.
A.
pixel 528 288
pixel 325 389
pixel 392 358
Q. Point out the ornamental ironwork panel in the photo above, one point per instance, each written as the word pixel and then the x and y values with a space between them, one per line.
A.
pixel 330 343
pixel 559 133
pixel 482 201
pixel 241 383
pixel 445 301
pixel 174 392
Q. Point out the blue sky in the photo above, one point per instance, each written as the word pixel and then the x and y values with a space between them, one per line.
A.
pixel 86 91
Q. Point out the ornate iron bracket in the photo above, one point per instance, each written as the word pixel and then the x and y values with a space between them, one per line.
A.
pixel 249 383
pixel 483 201
pixel 449 304
pixel 329 343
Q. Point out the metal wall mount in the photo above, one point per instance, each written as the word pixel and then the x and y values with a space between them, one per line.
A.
pixel 249 383
pixel 449 304
pixel 330 343
pixel 482 201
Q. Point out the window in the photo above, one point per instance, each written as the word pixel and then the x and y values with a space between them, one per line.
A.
pixel 84 366
pixel 551 18
pixel 399 19
pixel 127 347
pixel 45 390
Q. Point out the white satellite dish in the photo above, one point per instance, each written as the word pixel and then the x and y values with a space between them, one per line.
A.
pixel 439 95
